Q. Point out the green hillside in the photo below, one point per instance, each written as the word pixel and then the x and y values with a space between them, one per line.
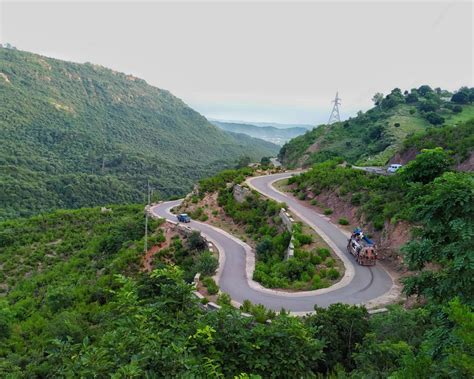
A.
pixel 77 135
pixel 373 137
pixel 74 301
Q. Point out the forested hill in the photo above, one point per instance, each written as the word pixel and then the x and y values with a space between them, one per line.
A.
pixel 76 135
pixel 373 137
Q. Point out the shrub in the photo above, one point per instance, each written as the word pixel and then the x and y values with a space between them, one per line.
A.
pixel 343 221
pixel 204 300
pixel 246 306
pixel 333 274
pixel 301 196
pixel 356 198
pixel 397 124
pixel 323 253
pixel 412 111
pixel 304 239
pixel 315 259
pixel 457 109
pixel 224 299
pixel 210 284
pixel 327 211
pixel 314 202
pixel 207 264
pixel 378 223
pixel 329 262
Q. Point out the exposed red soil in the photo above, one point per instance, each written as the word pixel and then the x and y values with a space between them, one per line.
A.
pixel 169 231
pixel 405 156
pixel 467 165
pixel 388 241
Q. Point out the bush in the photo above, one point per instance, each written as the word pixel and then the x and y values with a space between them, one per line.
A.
pixel 343 221
pixel 314 202
pixel 397 124
pixel 457 109
pixel 327 211
pixel 304 239
pixel 315 259
pixel 356 198
pixel 333 274
pixel 323 253
pixel 207 264
pixel 224 299
pixel 329 263
pixel 210 284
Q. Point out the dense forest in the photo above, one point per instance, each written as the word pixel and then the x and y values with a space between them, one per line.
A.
pixel 373 137
pixel 76 135
pixel 76 302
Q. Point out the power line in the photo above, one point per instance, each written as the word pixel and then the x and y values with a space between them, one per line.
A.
pixel 335 116
pixel 147 208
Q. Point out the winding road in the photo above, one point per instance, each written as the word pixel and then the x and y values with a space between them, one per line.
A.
pixel 371 286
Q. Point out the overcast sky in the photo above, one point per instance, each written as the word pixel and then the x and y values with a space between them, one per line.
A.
pixel 258 61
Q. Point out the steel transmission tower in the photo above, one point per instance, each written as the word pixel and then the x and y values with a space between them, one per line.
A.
pixel 335 117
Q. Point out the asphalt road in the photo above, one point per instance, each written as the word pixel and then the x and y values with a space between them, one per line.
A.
pixel 360 284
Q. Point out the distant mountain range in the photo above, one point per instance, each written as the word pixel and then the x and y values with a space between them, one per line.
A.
pixel 272 132
pixel 76 135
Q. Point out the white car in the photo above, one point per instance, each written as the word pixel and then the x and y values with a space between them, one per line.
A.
pixel 393 168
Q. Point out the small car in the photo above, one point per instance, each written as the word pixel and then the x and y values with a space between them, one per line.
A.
pixel 183 217
pixel 393 168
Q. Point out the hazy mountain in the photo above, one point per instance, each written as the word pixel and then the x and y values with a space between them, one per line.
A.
pixel 272 134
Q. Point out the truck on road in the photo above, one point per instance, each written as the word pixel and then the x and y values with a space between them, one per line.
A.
pixel 362 248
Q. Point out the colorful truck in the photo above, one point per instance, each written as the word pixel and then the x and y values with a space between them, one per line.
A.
pixel 362 248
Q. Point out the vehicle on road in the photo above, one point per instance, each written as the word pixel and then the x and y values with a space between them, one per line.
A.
pixel 362 248
pixel 393 168
pixel 183 217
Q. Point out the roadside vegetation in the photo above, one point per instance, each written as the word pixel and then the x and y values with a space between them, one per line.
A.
pixel 312 266
pixel 76 303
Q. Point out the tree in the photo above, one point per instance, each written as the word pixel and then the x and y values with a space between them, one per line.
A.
pixel 265 161
pixel 434 118
pixel 424 90
pixel 243 161
pixel 427 166
pixel 462 96
pixel 377 98
pixel 445 243
pixel 342 327
pixel 411 98
pixel 264 249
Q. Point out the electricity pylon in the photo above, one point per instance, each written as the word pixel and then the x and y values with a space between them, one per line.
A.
pixel 335 117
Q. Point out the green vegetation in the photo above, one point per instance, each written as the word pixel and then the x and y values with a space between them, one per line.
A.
pixel 190 253
pixel 76 304
pixel 76 135
pixel 259 217
pixel 379 198
pixel 373 137
pixel 457 139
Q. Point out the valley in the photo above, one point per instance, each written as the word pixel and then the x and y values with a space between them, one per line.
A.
pixel 99 279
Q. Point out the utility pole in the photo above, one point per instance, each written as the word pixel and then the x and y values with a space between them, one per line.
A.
pixel 146 216
pixel 335 117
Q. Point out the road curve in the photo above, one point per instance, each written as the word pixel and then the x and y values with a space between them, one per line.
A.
pixel 360 284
